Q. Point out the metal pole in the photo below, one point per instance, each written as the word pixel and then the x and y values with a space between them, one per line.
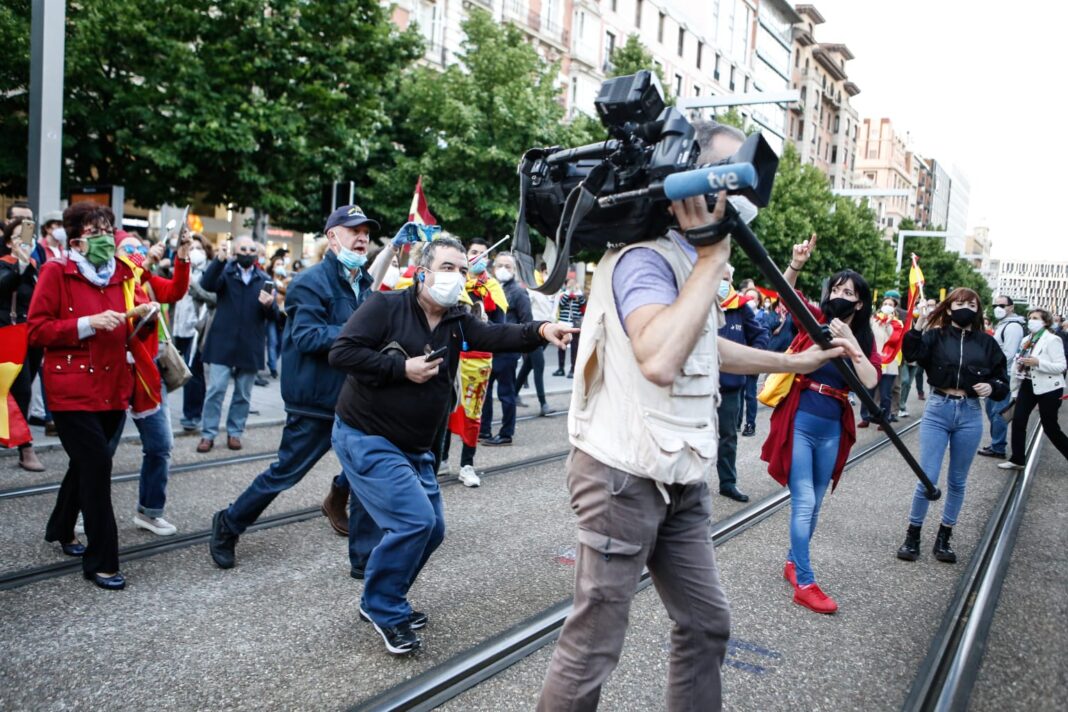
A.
pixel 47 39
pixel 803 317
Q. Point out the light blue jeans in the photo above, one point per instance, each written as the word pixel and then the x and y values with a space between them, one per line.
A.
pixel 157 441
pixel 999 428
pixel 815 452
pixel 953 424
pixel 218 379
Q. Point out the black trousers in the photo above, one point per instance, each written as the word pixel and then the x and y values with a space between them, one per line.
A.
pixel 1048 405
pixel 86 437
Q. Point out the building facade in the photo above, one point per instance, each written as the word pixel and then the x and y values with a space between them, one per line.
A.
pixel 957 217
pixel 884 161
pixel 941 185
pixel 823 125
pixel 1040 285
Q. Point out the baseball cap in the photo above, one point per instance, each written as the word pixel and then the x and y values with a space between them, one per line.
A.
pixel 349 216
pixel 53 216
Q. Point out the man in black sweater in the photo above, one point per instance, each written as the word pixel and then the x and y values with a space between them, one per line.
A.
pixel 401 351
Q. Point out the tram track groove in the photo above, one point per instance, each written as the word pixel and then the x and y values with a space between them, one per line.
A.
pixel 453 677
pixel 948 672
pixel 205 465
pixel 22 577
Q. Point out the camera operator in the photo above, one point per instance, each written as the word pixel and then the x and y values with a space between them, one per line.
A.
pixel 401 350
pixel 644 437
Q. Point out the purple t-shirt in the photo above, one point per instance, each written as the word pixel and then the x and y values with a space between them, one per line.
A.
pixel 643 277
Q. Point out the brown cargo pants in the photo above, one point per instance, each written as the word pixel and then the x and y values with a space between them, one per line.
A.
pixel 625 525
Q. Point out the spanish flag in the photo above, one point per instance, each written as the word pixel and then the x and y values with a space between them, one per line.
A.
pixel 147 394
pixel 420 212
pixel 13 428
pixel 915 289
pixel 475 369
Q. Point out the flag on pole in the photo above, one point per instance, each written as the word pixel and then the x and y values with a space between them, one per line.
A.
pixel 13 428
pixel 420 212
pixel 915 289
pixel 475 370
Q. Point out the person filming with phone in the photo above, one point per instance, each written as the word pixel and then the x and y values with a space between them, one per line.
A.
pixel 236 343
pixel 401 351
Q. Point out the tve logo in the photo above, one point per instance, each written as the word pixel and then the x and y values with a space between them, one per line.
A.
pixel 727 181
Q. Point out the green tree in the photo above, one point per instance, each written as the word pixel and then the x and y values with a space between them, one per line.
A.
pixel 941 268
pixel 464 129
pixel 802 204
pixel 249 103
pixel 633 57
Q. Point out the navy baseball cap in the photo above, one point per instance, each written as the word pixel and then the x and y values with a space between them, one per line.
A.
pixel 349 216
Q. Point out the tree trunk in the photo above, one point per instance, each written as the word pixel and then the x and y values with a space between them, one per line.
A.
pixel 260 220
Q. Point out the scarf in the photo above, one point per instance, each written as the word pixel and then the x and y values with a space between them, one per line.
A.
pixel 97 277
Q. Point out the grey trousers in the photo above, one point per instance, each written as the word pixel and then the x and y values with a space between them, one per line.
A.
pixel 625 525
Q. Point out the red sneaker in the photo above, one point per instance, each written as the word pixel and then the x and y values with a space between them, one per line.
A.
pixel 789 572
pixel 812 598
pixel 863 424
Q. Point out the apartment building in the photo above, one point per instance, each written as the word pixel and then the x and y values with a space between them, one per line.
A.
pixel 959 204
pixel 1038 284
pixel 924 191
pixel 941 186
pixel 885 161
pixel 824 125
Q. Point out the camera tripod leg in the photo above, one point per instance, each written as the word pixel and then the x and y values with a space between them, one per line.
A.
pixel 752 246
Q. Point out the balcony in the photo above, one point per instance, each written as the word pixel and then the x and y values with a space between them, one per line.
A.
pixel 515 10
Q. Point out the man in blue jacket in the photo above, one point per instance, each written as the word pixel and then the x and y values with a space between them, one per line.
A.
pixel 319 301
pixel 743 327
pixel 237 339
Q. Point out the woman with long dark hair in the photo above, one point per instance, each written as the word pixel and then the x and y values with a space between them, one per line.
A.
pixel 812 428
pixel 1038 380
pixel 963 364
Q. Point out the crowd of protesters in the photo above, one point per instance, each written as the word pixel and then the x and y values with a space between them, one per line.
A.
pixel 99 305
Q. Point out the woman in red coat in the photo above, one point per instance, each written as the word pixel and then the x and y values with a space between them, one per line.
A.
pixel 812 429
pixel 78 317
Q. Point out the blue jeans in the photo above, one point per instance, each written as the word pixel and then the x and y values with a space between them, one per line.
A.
pixel 958 425
pixel 401 493
pixel 193 391
pixel 218 380
pixel 504 376
pixel 274 344
pixel 157 441
pixel 749 402
pixel 881 394
pixel 815 452
pixel 999 429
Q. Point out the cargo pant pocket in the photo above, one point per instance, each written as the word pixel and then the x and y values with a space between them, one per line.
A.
pixel 608 567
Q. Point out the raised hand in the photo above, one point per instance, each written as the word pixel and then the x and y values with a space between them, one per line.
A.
pixel 803 250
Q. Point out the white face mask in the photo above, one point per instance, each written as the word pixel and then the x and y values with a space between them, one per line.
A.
pixel 503 274
pixel 197 257
pixel 446 288
pixel 724 289
pixel 60 236
pixel 392 277
pixel 887 309
pixel 999 312
pixel 746 210
pixel 1035 325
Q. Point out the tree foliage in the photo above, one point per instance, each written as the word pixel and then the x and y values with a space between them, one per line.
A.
pixel 941 269
pixel 464 130
pixel 802 204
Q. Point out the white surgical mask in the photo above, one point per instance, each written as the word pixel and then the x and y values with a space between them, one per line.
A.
pixel 746 210
pixel 999 312
pixel 1035 325
pixel 60 236
pixel 197 257
pixel 446 288
pixel 886 309
pixel 392 277
pixel 724 289
pixel 503 274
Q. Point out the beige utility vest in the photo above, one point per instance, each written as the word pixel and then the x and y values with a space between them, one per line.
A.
pixel 620 418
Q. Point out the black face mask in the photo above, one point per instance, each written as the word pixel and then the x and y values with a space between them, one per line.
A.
pixel 246 260
pixel 962 317
pixel 840 308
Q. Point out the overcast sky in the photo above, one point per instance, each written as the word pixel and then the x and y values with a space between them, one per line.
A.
pixel 975 84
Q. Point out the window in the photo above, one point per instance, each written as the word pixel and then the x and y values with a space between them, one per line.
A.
pixel 682 40
pixel 715 72
pixel 700 53
pixel 574 92
pixel 660 29
pixel 836 124
pixel 732 77
pixel 609 46
pixel 638 13
pixel 696 90
pixel 746 85
pixel 797 59
pixel 614 5
pixel 678 85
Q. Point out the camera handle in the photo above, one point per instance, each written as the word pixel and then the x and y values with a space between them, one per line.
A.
pixel 752 247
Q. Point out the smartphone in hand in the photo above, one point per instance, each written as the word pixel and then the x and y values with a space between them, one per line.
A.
pixel 28 227
pixel 268 286
pixel 437 353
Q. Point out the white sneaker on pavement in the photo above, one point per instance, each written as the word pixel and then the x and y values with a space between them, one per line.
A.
pixel 1008 465
pixel 903 413
pixel 468 477
pixel 79 526
pixel 156 525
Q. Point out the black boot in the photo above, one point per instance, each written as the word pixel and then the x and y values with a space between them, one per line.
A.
pixel 910 550
pixel 942 552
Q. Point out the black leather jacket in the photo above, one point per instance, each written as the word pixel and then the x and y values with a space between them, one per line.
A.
pixel 956 358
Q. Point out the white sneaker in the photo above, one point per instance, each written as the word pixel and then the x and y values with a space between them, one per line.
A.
pixel 156 525
pixel 1009 466
pixel 79 526
pixel 903 413
pixel 468 477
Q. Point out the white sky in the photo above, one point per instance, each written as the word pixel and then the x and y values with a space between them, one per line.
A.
pixel 964 78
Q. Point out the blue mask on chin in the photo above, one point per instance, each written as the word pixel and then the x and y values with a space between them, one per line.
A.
pixel 350 259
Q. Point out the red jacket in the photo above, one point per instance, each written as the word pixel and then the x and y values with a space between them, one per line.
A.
pixel 778 450
pixel 89 375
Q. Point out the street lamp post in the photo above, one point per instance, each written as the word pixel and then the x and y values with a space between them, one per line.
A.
pixel 901 235
pixel 47 33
